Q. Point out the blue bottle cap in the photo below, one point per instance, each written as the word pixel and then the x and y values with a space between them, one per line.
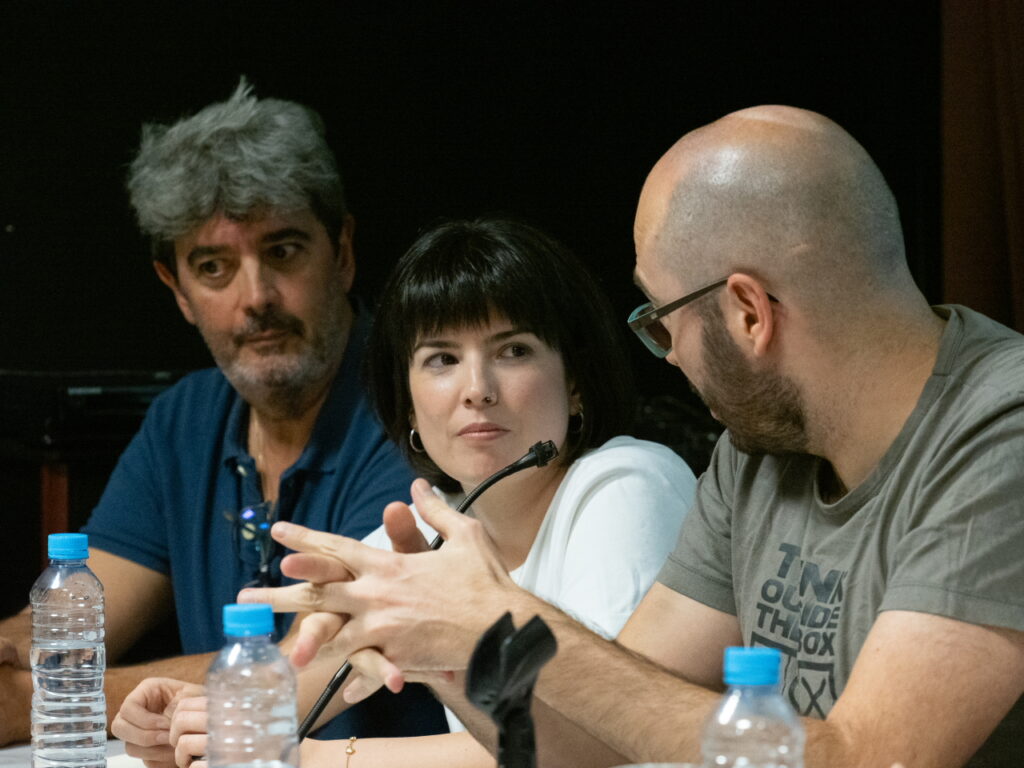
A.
pixel 248 620
pixel 68 546
pixel 752 666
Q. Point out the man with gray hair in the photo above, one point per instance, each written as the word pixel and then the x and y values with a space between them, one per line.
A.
pixel 245 210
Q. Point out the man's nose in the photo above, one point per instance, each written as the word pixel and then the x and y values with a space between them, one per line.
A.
pixel 257 285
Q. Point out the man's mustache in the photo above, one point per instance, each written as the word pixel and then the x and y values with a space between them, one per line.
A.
pixel 271 320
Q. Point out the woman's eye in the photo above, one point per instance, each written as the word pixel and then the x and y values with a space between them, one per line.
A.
pixel 515 350
pixel 440 360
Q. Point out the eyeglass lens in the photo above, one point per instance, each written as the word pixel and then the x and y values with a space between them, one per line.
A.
pixel 659 334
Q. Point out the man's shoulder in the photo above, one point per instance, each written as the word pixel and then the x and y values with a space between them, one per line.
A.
pixel 988 351
pixel 759 470
pixel 198 395
pixel 984 373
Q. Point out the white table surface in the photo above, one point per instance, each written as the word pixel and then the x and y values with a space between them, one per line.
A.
pixel 21 755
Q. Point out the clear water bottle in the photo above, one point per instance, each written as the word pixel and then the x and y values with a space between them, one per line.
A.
pixel 250 691
pixel 754 726
pixel 68 658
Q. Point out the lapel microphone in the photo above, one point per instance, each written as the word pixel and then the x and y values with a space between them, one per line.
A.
pixel 539 454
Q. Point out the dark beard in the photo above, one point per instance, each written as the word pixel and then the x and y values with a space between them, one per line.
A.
pixel 763 411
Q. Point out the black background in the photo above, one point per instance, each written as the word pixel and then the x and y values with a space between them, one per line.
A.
pixel 553 112
pixel 549 111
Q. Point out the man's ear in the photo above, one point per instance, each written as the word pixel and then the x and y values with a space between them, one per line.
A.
pixel 748 313
pixel 171 281
pixel 346 253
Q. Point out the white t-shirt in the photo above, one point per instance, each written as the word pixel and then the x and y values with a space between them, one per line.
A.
pixel 613 521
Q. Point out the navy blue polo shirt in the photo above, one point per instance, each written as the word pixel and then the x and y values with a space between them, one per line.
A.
pixel 174 497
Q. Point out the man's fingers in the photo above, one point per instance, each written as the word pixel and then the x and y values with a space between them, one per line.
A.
pixel 305 597
pixel 142 737
pixel 310 567
pixel 189 730
pixel 400 525
pixel 189 722
pixel 353 554
pixel 137 725
pixel 188 692
pixel 374 670
pixel 189 746
pixel 433 509
pixel 316 630
pixel 192 703
pixel 161 756
pixel 360 688
pixel 139 715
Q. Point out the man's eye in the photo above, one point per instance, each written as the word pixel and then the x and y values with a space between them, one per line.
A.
pixel 283 251
pixel 210 268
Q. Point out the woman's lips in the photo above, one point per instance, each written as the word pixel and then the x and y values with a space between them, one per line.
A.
pixel 482 430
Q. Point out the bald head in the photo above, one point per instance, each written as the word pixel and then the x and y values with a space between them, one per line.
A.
pixel 784 194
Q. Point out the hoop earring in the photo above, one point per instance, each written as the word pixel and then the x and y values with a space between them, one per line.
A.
pixel 577 428
pixel 415 438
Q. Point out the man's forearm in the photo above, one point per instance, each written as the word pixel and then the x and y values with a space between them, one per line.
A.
pixel 17 630
pixel 622 706
pixel 596 703
pixel 629 706
pixel 559 742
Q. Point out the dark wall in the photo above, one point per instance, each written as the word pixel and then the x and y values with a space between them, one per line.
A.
pixel 549 111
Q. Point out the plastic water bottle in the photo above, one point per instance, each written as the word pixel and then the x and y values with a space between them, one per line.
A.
pixel 250 692
pixel 69 711
pixel 754 726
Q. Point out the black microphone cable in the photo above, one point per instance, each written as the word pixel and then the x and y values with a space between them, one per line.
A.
pixel 538 455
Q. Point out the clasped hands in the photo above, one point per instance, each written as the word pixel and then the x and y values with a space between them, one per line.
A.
pixel 405 615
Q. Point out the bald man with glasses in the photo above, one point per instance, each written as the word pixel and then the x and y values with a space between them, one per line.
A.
pixel 863 513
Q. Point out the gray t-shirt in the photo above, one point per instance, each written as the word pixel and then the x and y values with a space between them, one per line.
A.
pixel 937 527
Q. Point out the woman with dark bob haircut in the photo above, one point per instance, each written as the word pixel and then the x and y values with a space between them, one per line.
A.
pixel 489 337
pixel 462 273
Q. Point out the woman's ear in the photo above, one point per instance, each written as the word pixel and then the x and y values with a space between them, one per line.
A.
pixel 575 400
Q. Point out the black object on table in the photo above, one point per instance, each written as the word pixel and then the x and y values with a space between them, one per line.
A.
pixel 502 673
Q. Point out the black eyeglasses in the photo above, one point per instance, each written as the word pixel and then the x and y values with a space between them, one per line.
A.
pixel 253 543
pixel 645 320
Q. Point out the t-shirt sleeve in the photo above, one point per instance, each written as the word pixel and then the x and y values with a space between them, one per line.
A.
pixel 961 555
pixel 129 519
pixel 625 518
pixel 700 566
